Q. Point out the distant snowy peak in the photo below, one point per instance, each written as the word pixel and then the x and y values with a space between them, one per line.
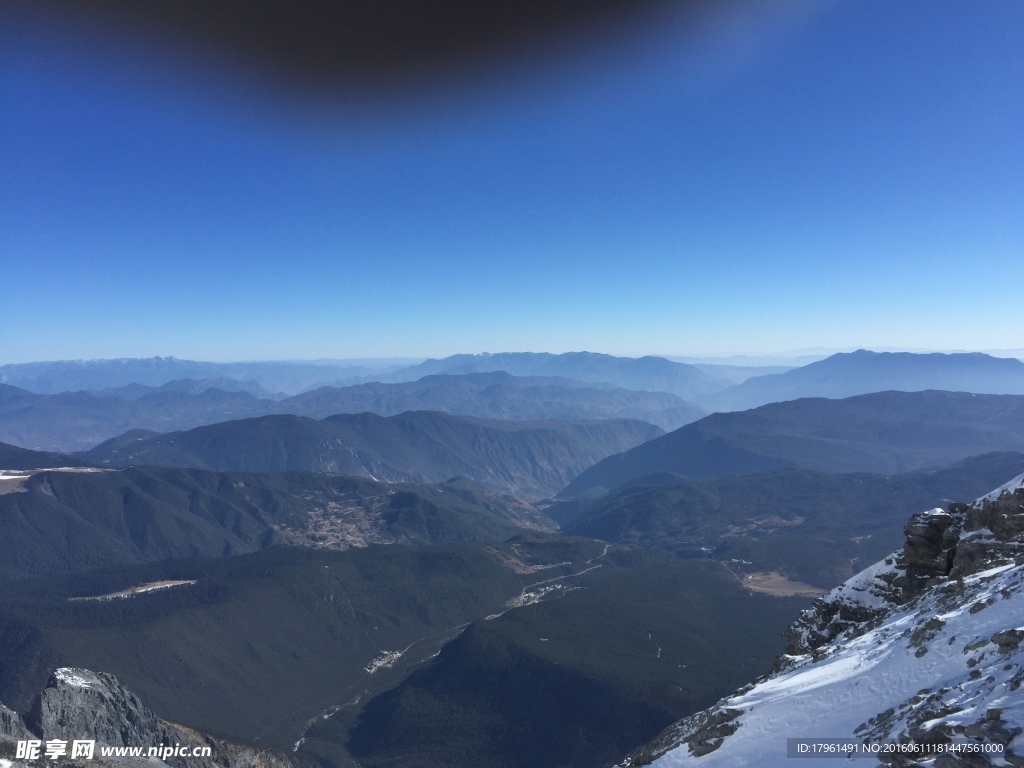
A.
pixel 915 661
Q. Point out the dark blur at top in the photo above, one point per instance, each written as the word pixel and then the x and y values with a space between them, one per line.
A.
pixel 334 49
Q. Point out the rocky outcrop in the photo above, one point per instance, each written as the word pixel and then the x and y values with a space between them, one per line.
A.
pixel 993 531
pixel 12 727
pixel 79 704
pixel 941 546
pixel 928 552
pixel 922 653
pixel 77 701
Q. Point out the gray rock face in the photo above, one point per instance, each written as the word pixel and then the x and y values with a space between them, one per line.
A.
pixel 77 701
pixel 80 704
pixel 950 597
pixel 994 531
pixel 12 727
pixel 940 546
pixel 929 548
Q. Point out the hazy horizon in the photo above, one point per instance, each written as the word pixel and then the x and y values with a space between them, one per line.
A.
pixel 794 357
pixel 761 177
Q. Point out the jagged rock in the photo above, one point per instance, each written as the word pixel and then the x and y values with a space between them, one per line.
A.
pixel 77 701
pixel 713 731
pixel 928 552
pixel 79 704
pixel 12 727
pixel 1008 640
pixel 702 732
pixel 993 532
pixel 913 649
pixel 1004 516
pixel 855 603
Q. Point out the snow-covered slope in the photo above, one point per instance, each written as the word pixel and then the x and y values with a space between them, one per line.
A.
pixel 916 661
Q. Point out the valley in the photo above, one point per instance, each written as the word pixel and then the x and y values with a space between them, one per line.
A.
pixel 426 589
pixel 511 384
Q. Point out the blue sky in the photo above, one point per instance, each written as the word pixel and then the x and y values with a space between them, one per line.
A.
pixel 789 175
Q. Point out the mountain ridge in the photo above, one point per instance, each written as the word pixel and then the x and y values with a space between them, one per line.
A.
pixel 81 420
pixel 648 373
pixel 74 521
pixel 530 459
pixel 810 527
pixel 883 432
pixel 846 374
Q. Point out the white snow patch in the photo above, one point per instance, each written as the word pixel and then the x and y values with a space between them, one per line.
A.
pixel 980 533
pixel 877 671
pixel 989 573
pixel 71 677
pixel 1013 485
pixel 866 588
pixel 808 679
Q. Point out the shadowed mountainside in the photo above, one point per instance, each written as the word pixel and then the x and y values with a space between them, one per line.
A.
pixel 811 527
pixel 531 460
pixel 885 432
pixel 71 521
pixel 575 681
pixel 13 457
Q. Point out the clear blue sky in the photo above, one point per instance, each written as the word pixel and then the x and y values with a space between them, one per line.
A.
pixel 827 174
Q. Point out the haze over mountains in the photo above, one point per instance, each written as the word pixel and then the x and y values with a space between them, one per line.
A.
pixel 861 372
pixel 522 386
pixel 530 459
pixel 283 376
pixel 78 420
pixel 358 574
pixel 645 373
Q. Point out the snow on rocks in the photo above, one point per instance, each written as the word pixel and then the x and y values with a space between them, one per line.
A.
pixel 75 677
pixel 922 654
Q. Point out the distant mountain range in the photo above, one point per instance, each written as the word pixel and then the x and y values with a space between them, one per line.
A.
pixel 136 391
pixel 861 372
pixel 886 432
pixel 531 460
pixel 648 374
pixel 75 421
pixel 72 421
pixel 278 376
pixel 500 395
